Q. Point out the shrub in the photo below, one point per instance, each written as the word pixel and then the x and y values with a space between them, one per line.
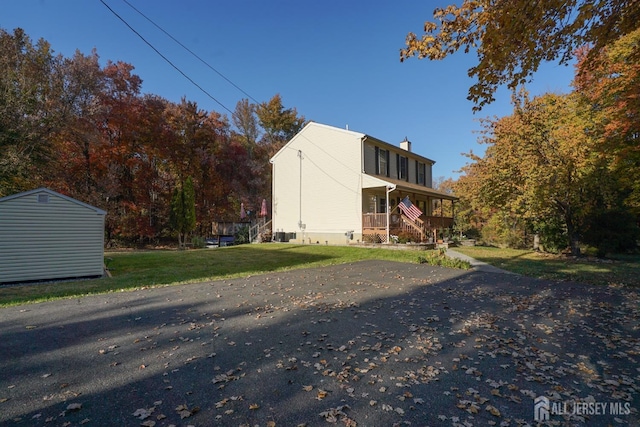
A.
pixel 440 258
pixel 504 231
pixel 404 237
pixel 198 242
pixel 241 235
pixel 553 235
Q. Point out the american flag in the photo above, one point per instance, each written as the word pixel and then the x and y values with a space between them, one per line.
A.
pixel 409 209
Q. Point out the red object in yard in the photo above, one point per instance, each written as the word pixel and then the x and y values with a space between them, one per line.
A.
pixel 263 209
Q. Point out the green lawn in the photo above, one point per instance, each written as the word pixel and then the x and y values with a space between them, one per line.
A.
pixel 621 270
pixel 136 269
pixel 140 269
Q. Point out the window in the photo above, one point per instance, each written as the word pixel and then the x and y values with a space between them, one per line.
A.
pixel 383 205
pixel 403 167
pixel 421 173
pixel 382 162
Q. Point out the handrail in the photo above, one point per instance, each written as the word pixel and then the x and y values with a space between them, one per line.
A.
pixel 413 227
pixel 257 230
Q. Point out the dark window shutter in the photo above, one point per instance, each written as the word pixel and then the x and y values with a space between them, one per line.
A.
pixel 406 166
pixel 377 161
pixel 388 168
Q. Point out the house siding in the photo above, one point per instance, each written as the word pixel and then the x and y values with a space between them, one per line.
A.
pixel 41 241
pixel 330 188
pixel 337 179
pixel 370 161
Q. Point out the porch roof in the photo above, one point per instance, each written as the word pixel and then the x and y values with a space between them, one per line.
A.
pixel 370 181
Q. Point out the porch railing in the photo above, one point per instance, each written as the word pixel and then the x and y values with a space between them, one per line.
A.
pixel 374 220
pixel 375 224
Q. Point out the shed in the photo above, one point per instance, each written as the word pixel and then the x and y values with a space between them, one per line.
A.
pixel 46 235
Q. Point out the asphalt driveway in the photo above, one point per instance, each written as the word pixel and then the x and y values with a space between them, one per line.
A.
pixel 366 344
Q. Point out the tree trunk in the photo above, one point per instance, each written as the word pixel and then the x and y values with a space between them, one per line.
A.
pixel 573 236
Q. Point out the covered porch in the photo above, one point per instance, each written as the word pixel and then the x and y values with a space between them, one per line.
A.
pixel 383 221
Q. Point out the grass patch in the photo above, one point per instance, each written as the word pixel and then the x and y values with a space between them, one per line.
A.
pixel 622 270
pixel 136 270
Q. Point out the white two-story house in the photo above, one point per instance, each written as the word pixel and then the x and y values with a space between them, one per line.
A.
pixel 337 186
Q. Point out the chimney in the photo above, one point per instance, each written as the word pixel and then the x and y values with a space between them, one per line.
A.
pixel 406 144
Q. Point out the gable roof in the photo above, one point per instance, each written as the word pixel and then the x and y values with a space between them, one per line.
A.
pixel 354 134
pixel 314 124
pixel 53 193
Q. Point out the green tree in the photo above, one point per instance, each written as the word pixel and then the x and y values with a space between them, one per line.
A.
pixel 513 37
pixel 183 211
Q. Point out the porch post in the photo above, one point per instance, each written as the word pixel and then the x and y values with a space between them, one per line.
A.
pixel 442 217
pixel 388 211
pixel 453 215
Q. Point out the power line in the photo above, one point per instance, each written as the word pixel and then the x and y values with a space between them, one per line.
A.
pixel 165 58
pixel 190 51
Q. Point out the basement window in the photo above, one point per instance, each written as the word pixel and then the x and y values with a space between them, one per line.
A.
pixel 43 198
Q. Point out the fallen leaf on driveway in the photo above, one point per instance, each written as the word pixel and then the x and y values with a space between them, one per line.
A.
pixel 493 410
pixel 143 413
pixel 185 412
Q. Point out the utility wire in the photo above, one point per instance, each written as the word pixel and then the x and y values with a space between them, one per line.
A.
pixel 191 52
pixel 166 59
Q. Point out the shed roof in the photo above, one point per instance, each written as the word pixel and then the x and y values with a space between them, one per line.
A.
pixel 53 193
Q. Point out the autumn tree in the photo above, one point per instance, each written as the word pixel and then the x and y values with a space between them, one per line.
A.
pixel 512 38
pixel 469 216
pixel 87 131
pixel 193 149
pixel 26 119
pixel 610 85
pixel 246 121
pixel 80 83
pixel 279 124
pixel 537 167
pixel 121 149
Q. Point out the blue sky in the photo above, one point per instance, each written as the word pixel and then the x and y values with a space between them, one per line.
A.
pixel 336 62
